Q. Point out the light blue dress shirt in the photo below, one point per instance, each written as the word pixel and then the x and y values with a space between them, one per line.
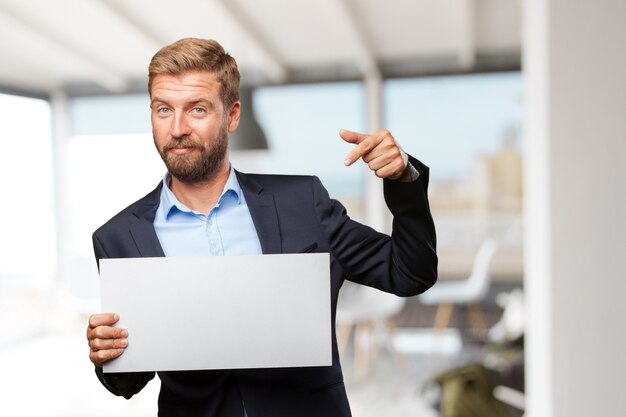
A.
pixel 227 229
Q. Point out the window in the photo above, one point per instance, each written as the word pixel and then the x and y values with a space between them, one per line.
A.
pixel 27 245
pixel 302 124
pixel 466 128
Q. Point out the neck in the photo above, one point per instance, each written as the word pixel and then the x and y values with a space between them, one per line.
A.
pixel 201 196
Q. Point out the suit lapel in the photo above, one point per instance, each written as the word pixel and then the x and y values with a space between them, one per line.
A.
pixel 142 229
pixel 263 212
pixel 146 238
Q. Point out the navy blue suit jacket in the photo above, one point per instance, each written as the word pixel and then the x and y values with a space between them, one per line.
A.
pixel 291 214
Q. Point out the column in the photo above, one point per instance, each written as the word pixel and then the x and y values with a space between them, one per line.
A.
pixel 575 213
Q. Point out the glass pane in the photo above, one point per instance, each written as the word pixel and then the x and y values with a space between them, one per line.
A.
pixel 448 121
pixel 467 129
pixel 27 243
pixel 302 124
pixel 26 212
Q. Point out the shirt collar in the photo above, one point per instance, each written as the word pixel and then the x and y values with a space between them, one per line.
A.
pixel 232 189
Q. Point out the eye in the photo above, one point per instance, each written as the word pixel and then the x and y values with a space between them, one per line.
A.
pixel 198 110
pixel 163 110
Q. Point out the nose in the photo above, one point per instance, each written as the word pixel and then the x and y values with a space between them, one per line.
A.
pixel 180 126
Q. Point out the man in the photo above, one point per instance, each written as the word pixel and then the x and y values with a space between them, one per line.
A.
pixel 193 86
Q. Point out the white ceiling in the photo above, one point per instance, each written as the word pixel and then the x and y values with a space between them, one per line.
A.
pixel 105 45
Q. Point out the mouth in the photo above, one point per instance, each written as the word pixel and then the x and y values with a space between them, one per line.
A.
pixel 180 150
pixel 182 147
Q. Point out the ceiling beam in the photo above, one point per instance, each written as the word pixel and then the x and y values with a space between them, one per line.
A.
pixel 151 36
pixel 97 71
pixel 467 34
pixel 366 61
pixel 17 91
pixel 276 70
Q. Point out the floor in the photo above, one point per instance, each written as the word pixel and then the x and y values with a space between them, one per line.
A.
pixel 46 372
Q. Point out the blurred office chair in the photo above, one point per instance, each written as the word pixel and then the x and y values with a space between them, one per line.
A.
pixel 370 314
pixel 470 291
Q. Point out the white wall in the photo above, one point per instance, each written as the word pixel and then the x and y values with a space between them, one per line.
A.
pixel 575 69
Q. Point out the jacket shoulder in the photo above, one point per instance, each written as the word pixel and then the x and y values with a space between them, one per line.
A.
pixel 144 207
pixel 276 183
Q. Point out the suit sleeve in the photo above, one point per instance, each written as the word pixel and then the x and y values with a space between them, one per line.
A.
pixel 121 384
pixel 404 263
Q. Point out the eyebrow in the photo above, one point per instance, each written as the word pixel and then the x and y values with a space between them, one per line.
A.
pixel 193 102
pixel 206 102
pixel 156 100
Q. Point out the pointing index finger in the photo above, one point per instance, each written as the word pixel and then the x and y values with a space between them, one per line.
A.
pixel 357 139
pixel 365 143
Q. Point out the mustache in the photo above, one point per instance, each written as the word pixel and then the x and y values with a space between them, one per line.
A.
pixel 183 143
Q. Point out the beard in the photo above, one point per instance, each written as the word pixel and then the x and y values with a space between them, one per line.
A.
pixel 191 167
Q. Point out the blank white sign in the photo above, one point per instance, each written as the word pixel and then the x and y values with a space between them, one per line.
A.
pixel 223 312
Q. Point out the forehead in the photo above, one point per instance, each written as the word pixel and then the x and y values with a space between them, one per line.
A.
pixel 186 84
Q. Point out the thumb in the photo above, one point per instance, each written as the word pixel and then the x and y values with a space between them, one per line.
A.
pixel 351 136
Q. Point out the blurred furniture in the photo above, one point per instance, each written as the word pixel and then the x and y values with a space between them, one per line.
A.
pixel 369 314
pixel 469 292
pixel 471 390
pixel 511 325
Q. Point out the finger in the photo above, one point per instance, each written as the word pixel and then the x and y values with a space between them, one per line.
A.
pixel 351 136
pixel 102 319
pixel 365 146
pixel 387 167
pixel 386 163
pixel 391 172
pixel 384 153
pixel 379 162
pixel 381 152
pixel 359 151
pixel 107 332
pixel 108 344
pixel 100 357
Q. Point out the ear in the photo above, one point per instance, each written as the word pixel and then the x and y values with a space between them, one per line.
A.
pixel 233 116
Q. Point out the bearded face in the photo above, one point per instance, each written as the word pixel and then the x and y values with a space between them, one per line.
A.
pixel 201 164
pixel 190 125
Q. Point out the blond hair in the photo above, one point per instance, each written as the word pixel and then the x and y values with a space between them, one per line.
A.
pixel 193 54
